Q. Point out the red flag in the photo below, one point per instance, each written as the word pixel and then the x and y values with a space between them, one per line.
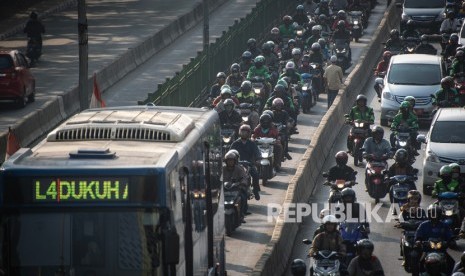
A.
pixel 96 101
pixel 12 144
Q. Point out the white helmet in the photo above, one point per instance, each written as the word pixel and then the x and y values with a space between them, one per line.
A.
pixel 330 219
pixel 290 65
pixel 296 51
pixel 323 213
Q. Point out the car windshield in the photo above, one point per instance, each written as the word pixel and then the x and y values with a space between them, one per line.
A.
pixel 414 74
pixel 5 62
pixel 448 132
pixel 81 243
pixel 424 4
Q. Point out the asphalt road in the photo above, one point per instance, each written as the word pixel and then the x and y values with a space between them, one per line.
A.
pixel 385 237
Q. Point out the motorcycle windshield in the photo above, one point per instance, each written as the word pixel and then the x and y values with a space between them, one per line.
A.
pixel 350 231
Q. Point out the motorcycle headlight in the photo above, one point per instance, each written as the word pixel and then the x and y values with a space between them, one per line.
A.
pixel 226 140
pixel 405 17
pixel 388 95
pixel 449 213
pixel 402 143
pixel 265 155
pixel 357 124
pixel 340 185
pixel 432 157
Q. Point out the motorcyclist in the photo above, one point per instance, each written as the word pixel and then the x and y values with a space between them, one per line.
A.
pixel 330 239
pixel 338 4
pixel 324 49
pixel 316 34
pixel 300 17
pixel 456 175
pixel 376 147
pixel 341 33
pixel 305 67
pixel 271 59
pixel 321 228
pixel 229 116
pixel 365 263
pixel 412 209
pixel 341 16
pixel 407 120
pixel 235 79
pixel 425 47
pixel 360 112
pixel 233 171
pixel 322 20
pixel 451 47
pixel 298 267
pixel 34 30
pixel 249 152
pixel 275 36
pixel 286 53
pixel 383 64
pixel 316 55
pixel 357 212
pixel 394 42
pixel 296 57
pixel 246 62
pixel 412 102
pixel 447 95
pixel 224 94
pixel 445 183
pixel 410 30
pixel 341 170
pixel 267 129
pixel 286 29
pixel 291 72
pixel 450 24
pixel 280 116
pixel 401 166
pixel 458 66
pixel 252 47
pixel 280 92
pixel 259 69
pixel 323 8
pixel 434 228
pixel 245 94
pixel 215 90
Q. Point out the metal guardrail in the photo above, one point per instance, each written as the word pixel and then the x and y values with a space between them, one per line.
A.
pixel 191 86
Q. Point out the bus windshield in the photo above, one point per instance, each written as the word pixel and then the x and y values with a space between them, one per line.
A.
pixel 118 242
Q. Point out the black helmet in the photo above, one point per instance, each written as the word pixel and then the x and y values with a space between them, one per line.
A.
pixel 433 263
pixel 266 47
pixel 322 17
pixel 361 97
pixel 246 86
pixel 454 38
pixel 401 156
pixel 447 82
pixel 365 244
pixel 341 158
pixel 410 24
pixel 247 55
pixel 279 88
pixel 316 47
pixel 306 58
pixel 235 67
pixel 251 43
pixel 341 15
pixel 221 75
pixel 434 211
pixel 228 104
pixel 377 130
pixel 265 120
pixel 459 54
pixel 300 8
pixel 348 193
pixel 424 38
pixel 269 113
pixel 341 25
pixel 394 33
pixel 298 267
pixel 33 15
pixel 291 42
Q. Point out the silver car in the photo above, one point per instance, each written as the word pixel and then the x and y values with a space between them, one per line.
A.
pixel 445 144
pixel 414 75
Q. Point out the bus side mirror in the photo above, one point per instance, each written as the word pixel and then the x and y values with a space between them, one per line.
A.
pixel 171 247
pixel 421 139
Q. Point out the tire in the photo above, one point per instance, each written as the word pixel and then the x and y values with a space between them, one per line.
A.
pixel 356 155
pixel 32 97
pixel 356 39
pixel 264 181
pixel 228 223
pixel 383 122
pixel 22 101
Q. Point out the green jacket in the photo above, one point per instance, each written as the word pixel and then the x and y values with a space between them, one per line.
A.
pixel 295 78
pixel 441 96
pixel 411 121
pixel 457 67
pixel 286 32
pixel 440 187
pixel 357 114
pixel 261 72
pixel 247 98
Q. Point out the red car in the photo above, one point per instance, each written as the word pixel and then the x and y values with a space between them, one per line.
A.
pixel 16 81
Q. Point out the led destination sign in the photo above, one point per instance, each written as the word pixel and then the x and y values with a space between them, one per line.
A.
pixel 79 189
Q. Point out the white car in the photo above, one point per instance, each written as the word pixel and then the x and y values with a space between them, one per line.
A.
pixel 416 75
pixel 445 144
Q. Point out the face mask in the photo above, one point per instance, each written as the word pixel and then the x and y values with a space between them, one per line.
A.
pixel 265 130
pixel 455 175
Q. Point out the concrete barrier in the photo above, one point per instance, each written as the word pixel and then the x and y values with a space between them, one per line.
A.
pixel 278 251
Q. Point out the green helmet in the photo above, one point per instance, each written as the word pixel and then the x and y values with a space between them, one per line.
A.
pixel 259 59
pixel 445 170
pixel 454 166
pixel 283 83
pixel 405 104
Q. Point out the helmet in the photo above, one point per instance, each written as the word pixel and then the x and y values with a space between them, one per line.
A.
pixel 387 54
pixel 454 166
pixel 330 219
pixel 361 97
pixel 259 61
pixel 365 244
pixel 251 43
pixel 447 82
pixel 414 194
pixel 424 38
pixel 341 158
pixel 454 38
pixel 323 213
pixel 287 19
pixel 411 100
pixel 266 47
pixel 235 67
pixel 410 23
pixel 459 53
pixel 221 75
pixel 348 192
pixel 306 58
pixel 275 31
pixel 401 156
pixel 265 120
pixel 246 55
pixel 296 51
pixel 226 91
pixel 341 24
pixel 433 263
pixel 33 15
pixel 445 170
pixel 450 14
pixel 298 266
pixel 271 44
pixel 341 14
pixel 246 86
pixel 316 29
pixel 405 105
pixel 291 42
pixel 283 83
pixel 290 65
pixel 458 274
pixel 279 88
pixel 316 47
pixel 434 211
pixel 394 33
pixel 378 130
pixel 322 17
pixel 228 104
pixel 278 103
pixel 300 7
pixel 231 155
pixel 322 42
pixel 269 112
pixel 244 131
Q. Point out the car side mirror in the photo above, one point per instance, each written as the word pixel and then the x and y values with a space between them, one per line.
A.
pixel 379 81
pixel 421 138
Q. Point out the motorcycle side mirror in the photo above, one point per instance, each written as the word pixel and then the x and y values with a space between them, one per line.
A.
pixel 346 116
pixel 415 171
pixel 307 241
pixel 325 174
pixel 379 81
pixel 421 138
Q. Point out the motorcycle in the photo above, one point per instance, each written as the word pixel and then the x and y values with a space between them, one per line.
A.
pixel 307 93
pixel 247 165
pixel 432 246
pixel 449 203
pixel 341 50
pixel 259 88
pixel 232 206
pixel 355 19
pixel 460 87
pixel 403 142
pixel 337 186
pixel 34 49
pixel 407 242
pixel 400 186
pixel 379 83
pixel 317 80
pixel 410 43
pixel 351 233
pixel 249 115
pixel 228 136
pixel 283 134
pixel 325 262
pixel 357 135
pixel 265 170
pixel 376 169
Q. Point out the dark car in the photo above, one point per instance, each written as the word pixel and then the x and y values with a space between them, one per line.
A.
pixel 16 81
pixel 426 14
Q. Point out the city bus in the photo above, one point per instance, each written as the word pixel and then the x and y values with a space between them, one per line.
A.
pixel 117 191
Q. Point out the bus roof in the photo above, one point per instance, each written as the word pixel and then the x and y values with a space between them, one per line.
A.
pixel 136 136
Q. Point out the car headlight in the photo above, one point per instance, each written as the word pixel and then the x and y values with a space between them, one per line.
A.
pixel 432 157
pixel 405 17
pixel 388 95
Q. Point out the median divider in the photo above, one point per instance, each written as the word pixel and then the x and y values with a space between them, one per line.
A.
pixel 278 251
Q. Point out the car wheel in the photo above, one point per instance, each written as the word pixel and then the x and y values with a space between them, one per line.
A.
pixel 22 101
pixel 32 97
pixel 384 122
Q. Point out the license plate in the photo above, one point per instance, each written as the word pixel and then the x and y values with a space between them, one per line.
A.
pixel 418 111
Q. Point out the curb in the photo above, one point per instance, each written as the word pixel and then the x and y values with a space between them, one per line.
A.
pixel 278 251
